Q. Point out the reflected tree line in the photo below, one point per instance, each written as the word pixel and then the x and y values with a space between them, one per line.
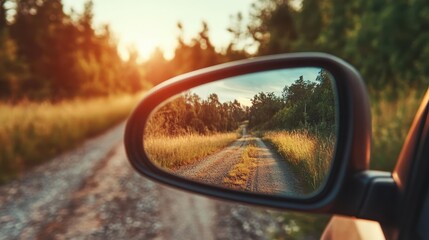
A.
pixel 189 114
pixel 305 104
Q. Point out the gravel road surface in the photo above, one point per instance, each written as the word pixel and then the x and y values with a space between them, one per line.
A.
pixel 92 193
pixel 272 174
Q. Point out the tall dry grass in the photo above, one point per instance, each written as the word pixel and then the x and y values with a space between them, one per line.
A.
pixel 173 151
pixel 31 133
pixel 309 155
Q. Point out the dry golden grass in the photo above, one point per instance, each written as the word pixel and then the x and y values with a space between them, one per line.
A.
pixel 311 156
pixel 238 176
pixel 31 133
pixel 174 151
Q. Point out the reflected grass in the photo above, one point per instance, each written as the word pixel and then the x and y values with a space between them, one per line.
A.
pixel 174 151
pixel 308 154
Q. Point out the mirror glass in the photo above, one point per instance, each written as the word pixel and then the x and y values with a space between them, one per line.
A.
pixel 271 132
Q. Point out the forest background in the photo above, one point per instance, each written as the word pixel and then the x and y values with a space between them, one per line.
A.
pixel 50 58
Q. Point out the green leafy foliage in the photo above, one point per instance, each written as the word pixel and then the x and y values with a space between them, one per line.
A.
pixel 305 104
pixel 48 54
pixel 385 40
pixel 264 107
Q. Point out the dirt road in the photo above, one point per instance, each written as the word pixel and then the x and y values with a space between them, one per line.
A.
pixel 214 168
pixel 271 174
pixel 92 193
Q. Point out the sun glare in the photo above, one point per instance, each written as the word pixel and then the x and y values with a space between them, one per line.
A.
pixel 146 47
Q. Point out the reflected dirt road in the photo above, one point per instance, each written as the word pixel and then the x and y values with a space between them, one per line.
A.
pixel 270 173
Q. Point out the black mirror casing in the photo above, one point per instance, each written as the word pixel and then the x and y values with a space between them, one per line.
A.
pixel 348 178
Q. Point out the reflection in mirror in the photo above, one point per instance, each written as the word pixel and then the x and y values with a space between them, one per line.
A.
pixel 271 132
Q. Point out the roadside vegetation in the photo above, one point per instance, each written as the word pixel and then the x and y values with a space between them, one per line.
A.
pixel 189 128
pixel 174 151
pixel 238 176
pixel 68 85
pixel 391 120
pixel 308 154
pixel 31 133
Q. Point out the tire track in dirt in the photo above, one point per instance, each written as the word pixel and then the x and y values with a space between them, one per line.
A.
pixel 272 174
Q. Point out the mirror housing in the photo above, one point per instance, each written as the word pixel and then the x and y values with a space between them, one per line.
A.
pixel 352 152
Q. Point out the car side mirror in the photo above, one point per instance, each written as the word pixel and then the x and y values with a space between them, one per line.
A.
pixel 285 131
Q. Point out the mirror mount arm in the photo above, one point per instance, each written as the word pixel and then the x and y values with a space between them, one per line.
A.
pixel 371 195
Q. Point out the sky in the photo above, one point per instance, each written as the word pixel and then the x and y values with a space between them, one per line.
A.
pixel 146 25
pixel 245 87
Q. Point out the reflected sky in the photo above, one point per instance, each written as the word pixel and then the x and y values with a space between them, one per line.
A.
pixel 245 87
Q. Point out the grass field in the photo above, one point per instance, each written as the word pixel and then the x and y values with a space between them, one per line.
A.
pixel 237 177
pixel 174 151
pixel 391 121
pixel 31 133
pixel 308 154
